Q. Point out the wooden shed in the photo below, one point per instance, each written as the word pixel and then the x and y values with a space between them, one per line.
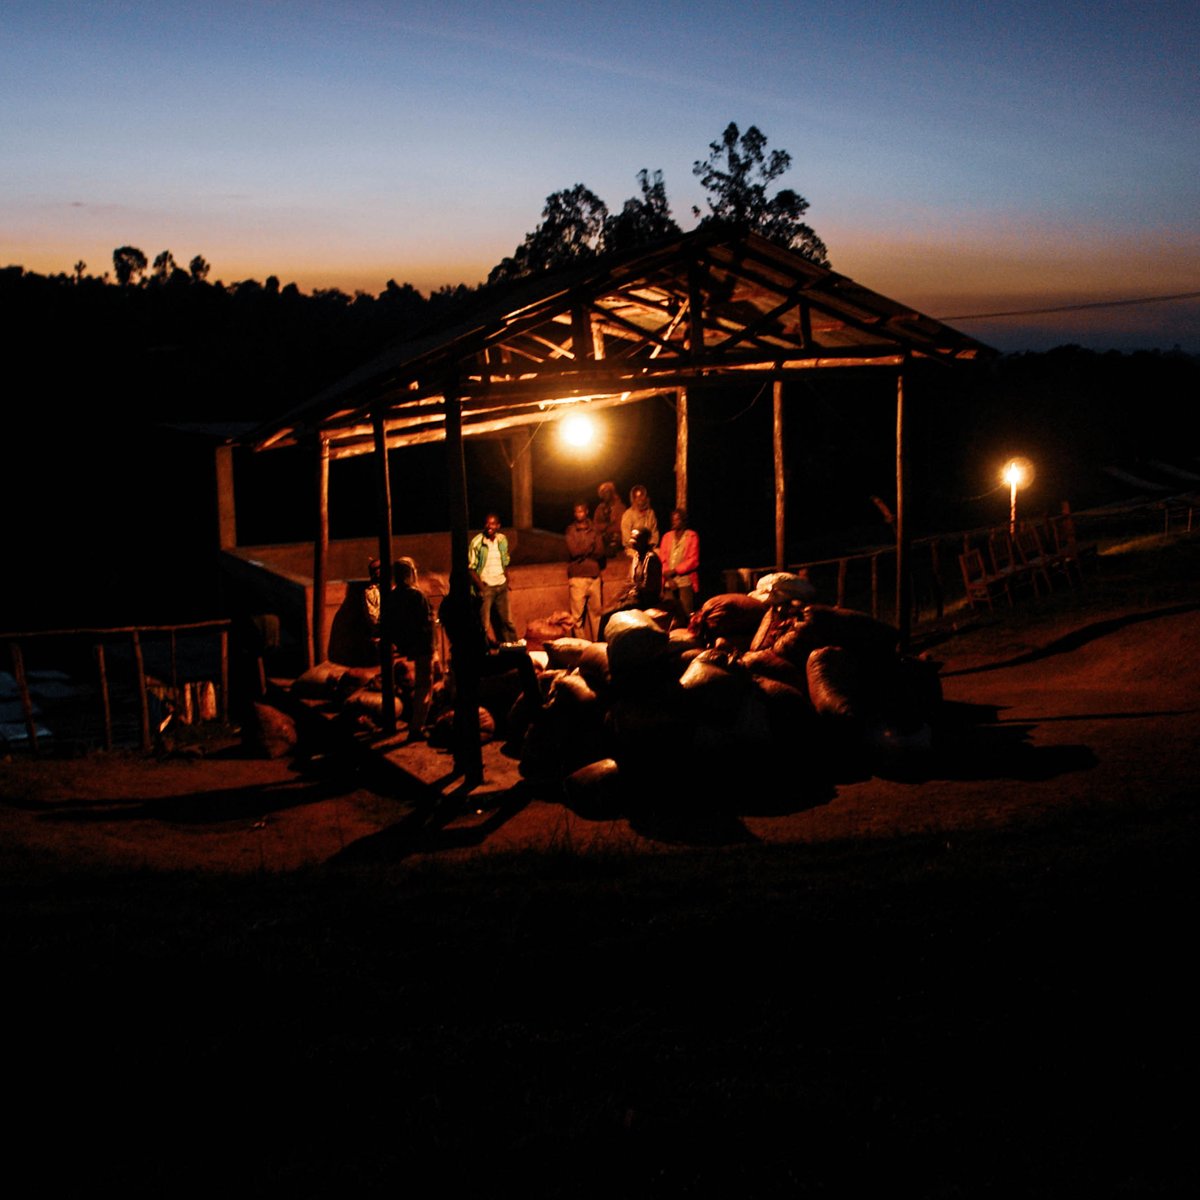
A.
pixel 616 330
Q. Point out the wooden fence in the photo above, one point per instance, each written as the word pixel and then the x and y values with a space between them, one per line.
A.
pixel 866 580
pixel 135 637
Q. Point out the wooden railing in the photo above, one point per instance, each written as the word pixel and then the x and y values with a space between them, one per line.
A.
pixel 866 579
pixel 17 641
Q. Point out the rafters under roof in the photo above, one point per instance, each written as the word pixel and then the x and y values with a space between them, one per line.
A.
pixel 620 329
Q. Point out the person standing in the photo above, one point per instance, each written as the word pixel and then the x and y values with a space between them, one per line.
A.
pixel 680 554
pixel 373 600
pixel 408 620
pixel 639 515
pixel 487 561
pixel 607 519
pixel 585 569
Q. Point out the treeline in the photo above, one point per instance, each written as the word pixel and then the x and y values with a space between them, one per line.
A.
pixel 175 345
pixel 163 341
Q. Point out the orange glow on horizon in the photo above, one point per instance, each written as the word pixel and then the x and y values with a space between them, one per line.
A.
pixel 971 266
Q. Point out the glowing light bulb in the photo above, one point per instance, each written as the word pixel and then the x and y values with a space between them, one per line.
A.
pixel 578 431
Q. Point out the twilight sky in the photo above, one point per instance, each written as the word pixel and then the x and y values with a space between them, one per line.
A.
pixel 962 158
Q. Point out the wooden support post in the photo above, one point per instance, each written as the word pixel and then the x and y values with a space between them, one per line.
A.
pixel 105 700
pixel 521 451
pixel 468 756
pixel 681 449
pixel 903 581
pixel 223 712
pixel 383 497
pixel 875 586
pixel 226 508
pixel 695 284
pixel 317 652
pixel 143 700
pixel 18 665
pixel 939 589
pixel 456 470
pixel 582 342
pixel 780 486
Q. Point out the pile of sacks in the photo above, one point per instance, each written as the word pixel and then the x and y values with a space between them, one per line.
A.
pixel 357 691
pixel 759 682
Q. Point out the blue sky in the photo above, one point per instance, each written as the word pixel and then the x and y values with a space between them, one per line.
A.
pixel 961 158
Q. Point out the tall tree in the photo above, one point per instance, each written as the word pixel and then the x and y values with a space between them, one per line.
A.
pixel 128 264
pixel 737 174
pixel 643 219
pixel 199 268
pixel 571 229
pixel 164 266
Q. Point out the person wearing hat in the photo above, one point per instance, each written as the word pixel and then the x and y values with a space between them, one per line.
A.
pixel 607 519
pixel 639 515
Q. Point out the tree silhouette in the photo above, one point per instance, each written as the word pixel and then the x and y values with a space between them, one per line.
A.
pixel 164 265
pixel 571 230
pixel 199 268
pixel 642 220
pixel 128 264
pixel 79 269
pixel 736 176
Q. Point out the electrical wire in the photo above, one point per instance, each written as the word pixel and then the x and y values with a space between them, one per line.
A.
pixel 1033 312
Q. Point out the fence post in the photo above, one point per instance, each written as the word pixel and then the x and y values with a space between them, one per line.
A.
pixel 143 699
pixel 18 662
pixel 105 702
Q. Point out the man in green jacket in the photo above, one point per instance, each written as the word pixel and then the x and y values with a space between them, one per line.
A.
pixel 487 561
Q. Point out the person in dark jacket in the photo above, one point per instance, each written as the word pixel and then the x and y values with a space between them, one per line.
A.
pixel 408 620
pixel 585 569
pixel 644 589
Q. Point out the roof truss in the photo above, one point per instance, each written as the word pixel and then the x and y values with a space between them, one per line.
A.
pixel 610 332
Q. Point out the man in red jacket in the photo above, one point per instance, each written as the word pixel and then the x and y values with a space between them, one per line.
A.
pixel 680 554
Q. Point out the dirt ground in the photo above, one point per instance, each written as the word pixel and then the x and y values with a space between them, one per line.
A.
pixel 1080 710
pixel 969 974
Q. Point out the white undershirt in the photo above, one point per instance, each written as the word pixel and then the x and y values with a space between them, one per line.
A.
pixel 493 571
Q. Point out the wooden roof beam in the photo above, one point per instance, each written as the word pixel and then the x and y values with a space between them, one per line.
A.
pixel 478 429
pixel 763 320
pixel 644 334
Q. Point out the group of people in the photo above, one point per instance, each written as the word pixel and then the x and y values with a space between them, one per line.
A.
pixel 662 572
